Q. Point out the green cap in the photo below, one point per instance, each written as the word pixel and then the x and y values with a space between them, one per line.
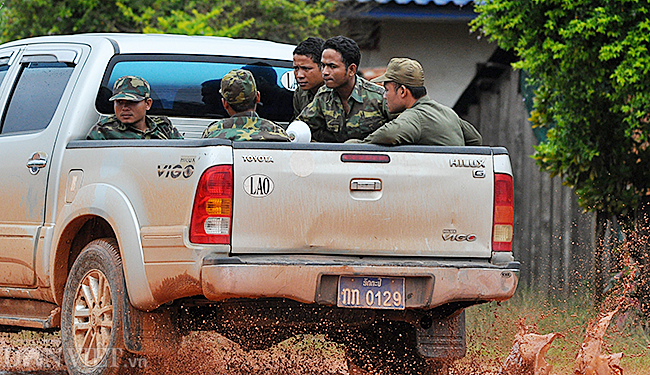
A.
pixel 238 86
pixel 403 71
pixel 131 88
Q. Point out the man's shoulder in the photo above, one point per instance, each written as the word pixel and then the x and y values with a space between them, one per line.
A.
pixel 214 126
pixel 160 120
pixel 108 121
pixel 370 87
pixel 323 92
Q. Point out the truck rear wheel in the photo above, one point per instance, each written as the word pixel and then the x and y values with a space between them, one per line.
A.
pixel 91 316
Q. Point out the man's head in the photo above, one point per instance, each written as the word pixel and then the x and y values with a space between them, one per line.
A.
pixel 404 83
pixel 131 100
pixel 306 63
pixel 340 60
pixel 239 91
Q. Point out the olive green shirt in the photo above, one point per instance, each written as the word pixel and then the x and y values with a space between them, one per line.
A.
pixel 427 122
pixel 246 126
pixel 328 121
pixel 158 127
pixel 301 99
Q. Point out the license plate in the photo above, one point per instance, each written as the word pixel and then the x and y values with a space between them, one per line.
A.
pixel 371 292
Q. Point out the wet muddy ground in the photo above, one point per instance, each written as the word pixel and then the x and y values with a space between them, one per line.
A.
pixel 29 352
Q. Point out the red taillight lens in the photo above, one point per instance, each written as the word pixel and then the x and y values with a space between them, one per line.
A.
pixel 504 212
pixel 212 212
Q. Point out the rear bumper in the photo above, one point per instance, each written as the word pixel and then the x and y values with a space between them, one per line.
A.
pixel 428 284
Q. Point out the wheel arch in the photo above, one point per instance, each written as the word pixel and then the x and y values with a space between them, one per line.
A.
pixel 104 208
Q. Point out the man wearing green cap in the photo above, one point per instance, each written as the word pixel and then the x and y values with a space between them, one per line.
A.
pixel 131 101
pixel 240 98
pixel 422 120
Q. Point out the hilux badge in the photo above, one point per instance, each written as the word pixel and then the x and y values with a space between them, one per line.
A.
pixel 467 163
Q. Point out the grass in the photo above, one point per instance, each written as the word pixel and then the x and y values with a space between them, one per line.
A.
pixel 491 329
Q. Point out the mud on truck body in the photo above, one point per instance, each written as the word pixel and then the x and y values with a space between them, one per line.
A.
pixel 125 245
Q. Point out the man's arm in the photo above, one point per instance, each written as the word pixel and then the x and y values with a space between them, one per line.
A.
pixel 312 115
pixel 402 130
pixel 471 136
pixel 296 104
pixel 95 133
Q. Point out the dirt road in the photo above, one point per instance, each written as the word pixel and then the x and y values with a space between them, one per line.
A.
pixel 202 352
pixel 37 353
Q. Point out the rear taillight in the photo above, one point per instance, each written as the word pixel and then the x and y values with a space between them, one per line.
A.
pixel 504 212
pixel 212 212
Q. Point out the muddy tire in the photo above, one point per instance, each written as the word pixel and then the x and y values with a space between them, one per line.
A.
pixel 92 310
pixel 389 348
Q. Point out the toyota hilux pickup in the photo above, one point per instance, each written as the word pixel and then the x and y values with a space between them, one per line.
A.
pixel 126 244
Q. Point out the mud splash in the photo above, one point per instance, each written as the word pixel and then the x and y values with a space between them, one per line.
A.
pixel 527 356
pixel 28 351
pixel 211 353
pixel 590 360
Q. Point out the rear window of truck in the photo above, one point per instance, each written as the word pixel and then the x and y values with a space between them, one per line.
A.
pixel 188 86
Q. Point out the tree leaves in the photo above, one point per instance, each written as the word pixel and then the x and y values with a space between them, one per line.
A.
pixel 288 21
pixel 590 62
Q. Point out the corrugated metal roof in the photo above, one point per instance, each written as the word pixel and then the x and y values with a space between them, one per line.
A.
pixel 419 2
pixel 421 10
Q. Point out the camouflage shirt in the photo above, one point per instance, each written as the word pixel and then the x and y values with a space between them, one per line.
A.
pixel 158 127
pixel 246 126
pixel 329 122
pixel 301 99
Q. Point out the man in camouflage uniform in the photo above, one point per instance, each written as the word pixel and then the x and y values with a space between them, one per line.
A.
pixel 240 98
pixel 422 120
pixel 307 70
pixel 348 106
pixel 131 101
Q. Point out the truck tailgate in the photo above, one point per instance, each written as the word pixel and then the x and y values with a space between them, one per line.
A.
pixel 362 200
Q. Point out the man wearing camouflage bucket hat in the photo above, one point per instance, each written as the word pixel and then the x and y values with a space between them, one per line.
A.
pixel 422 120
pixel 131 101
pixel 240 98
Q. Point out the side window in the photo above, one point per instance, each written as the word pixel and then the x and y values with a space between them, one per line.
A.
pixel 35 96
pixel 4 67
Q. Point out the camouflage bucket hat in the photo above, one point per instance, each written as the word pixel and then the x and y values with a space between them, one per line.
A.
pixel 238 86
pixel 131 88
pixel 403 71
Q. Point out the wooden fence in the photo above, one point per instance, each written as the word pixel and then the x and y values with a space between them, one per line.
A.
pixel 554 240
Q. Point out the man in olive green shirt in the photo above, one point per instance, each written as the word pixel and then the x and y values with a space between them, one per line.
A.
pixel 349 106
pixel 422 120
pixel 307 70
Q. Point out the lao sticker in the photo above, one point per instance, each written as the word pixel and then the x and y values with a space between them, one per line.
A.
pixel 258 185
pixel 288 80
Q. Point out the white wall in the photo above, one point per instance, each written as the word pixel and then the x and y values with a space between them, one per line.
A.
pixel 447 51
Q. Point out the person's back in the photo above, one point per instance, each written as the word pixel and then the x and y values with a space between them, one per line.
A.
pixel 240 98
pixel 246 126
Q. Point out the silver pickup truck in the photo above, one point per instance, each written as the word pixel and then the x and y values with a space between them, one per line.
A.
pixel 126 244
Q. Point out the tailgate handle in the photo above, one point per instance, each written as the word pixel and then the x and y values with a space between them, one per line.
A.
pixel 365 184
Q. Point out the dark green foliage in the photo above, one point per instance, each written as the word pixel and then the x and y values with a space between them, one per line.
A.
pixel 591 63
pixel 288 21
